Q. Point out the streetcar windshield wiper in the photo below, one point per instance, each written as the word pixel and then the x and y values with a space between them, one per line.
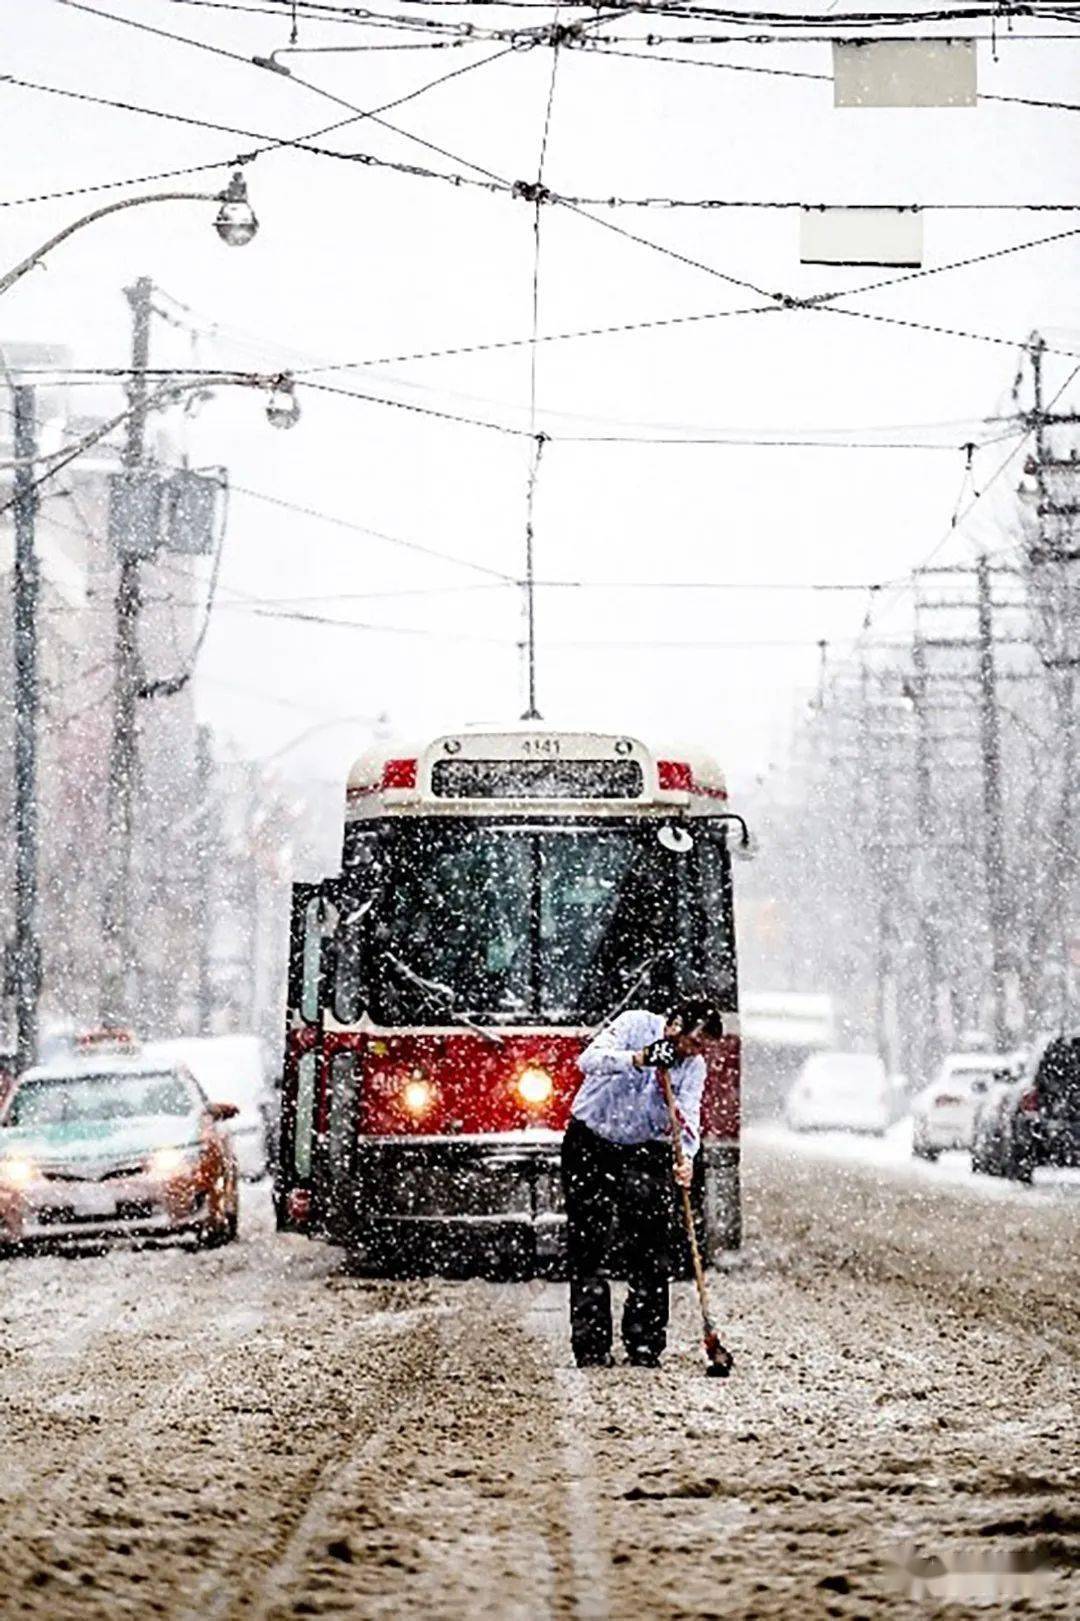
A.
pixel 436 988
pixel 641 974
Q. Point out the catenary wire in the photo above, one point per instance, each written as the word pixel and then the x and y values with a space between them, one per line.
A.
pixel 958 519
pixel 798 22
pixel 271 143
pixel 610 225
pixel 606 223
pixel 363 529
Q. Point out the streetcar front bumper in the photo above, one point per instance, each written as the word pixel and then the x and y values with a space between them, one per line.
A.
pixel 462 1205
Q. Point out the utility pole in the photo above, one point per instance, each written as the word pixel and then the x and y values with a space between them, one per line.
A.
pixel 205 886
pixel 924 823
pixel 993 826
pixel 26 964
pixel 1058 551
pixel 123 751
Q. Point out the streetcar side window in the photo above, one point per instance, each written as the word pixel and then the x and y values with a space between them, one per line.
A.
pixel 311 966
pixel 359 900
pixel 714 879
pixel 342 1114
pixel 305 1114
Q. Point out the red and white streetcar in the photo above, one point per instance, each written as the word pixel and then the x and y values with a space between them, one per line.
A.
pixel 502 894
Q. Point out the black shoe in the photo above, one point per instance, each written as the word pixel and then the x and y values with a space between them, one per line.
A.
pixel 640 1358
pixel 594 1359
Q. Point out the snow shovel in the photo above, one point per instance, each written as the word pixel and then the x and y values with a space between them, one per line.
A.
pixel 718 1359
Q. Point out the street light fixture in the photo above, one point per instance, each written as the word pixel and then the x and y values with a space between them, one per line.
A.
pixel 283 407
pixel 236 223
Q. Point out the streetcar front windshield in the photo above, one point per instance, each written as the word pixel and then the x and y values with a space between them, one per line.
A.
pixel 513 923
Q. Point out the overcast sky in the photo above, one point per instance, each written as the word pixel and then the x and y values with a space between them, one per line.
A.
pixel 354 263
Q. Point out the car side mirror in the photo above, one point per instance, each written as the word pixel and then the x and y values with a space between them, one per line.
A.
pixel 222 1111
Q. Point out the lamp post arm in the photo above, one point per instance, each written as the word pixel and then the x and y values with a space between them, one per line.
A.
pixel 36 257
pixel 56 462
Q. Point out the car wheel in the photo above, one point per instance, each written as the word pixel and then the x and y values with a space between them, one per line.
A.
pixel 214 1238
pixel 1019 1165
pixel 923 1151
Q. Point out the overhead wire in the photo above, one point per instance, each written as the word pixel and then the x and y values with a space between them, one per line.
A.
pixel 378 534
pixel 798 23
pixel 517 188
pixel 653 245
pixel 270 143
pixel 958 518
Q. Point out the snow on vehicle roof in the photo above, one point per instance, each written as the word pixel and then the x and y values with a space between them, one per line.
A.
pixel 842 1066
pixel 955 1063
pixel 230 1069
pixel 97 1064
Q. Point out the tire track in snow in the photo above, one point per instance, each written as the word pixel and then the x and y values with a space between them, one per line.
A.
pixel 587 1549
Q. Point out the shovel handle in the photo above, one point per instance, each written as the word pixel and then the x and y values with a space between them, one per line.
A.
pixel 718 1356
pixel 688 1213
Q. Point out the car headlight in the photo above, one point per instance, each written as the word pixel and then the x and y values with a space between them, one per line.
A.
pixel 17 1170
pixel 166 1162
pixel 417 1096
pixel 534 1087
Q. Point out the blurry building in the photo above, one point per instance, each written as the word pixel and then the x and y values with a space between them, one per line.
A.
pixel 194 872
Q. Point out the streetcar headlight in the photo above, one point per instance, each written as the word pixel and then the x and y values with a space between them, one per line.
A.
pixel 534 1087
pixel 417 1095
pixel 17 1171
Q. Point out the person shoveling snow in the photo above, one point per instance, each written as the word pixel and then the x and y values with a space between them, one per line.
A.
pixel 643 1077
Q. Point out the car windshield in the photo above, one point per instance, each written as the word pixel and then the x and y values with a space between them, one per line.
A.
pixel 69 1100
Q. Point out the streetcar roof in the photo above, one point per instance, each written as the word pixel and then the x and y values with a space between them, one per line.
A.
pixel 532 766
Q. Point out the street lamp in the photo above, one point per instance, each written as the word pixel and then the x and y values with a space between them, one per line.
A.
pixel 283 407
pixel 235 223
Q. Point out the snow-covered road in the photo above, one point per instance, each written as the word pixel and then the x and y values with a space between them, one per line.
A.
pixel 252 1433
pixel 891 1155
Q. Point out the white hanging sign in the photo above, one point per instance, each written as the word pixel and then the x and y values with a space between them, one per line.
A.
pixel 861 236
pixel 904 73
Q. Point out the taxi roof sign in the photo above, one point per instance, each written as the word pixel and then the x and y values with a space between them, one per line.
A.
pixel 109 1039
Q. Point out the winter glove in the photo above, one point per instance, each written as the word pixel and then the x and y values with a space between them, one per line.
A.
pixel 663 1053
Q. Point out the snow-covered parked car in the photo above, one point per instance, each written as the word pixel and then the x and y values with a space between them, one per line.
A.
pixel 840 1091
pixel 943 1113
pixel 1033 1118
pixel 234 1069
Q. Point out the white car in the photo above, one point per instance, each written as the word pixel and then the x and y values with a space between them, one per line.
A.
pixel 842 1092
pixel 234 1069
pixel 943 1113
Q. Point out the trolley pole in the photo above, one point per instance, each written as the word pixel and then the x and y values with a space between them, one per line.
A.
pixel 123 751
pixel 993 828
pixel 26 963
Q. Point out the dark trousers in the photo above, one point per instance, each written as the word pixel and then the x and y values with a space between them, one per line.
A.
pixel 604 1182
